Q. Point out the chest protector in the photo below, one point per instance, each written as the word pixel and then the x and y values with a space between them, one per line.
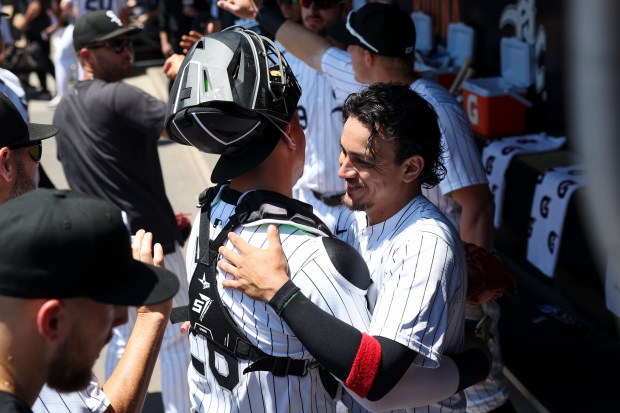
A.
pixel 209 317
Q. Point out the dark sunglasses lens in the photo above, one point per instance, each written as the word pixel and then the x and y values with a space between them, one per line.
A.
pixel 35 152
pixel 119 45
pixel 321 4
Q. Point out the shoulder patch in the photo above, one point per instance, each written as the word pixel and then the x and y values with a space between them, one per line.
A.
pixel 348 262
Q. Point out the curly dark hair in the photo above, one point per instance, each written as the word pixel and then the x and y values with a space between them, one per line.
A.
pixel 395 113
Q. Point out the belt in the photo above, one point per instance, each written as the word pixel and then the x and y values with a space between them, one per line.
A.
pixel 329 200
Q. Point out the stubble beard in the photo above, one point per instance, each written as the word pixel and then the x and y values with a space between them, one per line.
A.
pixel 23 183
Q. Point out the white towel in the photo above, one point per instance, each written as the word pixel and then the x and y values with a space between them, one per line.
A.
pixel 498 154
pixel 549 205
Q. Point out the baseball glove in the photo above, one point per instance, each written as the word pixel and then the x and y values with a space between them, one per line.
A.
pixel 487 277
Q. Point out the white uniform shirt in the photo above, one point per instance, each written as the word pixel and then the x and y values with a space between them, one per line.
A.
pixel 312 271
pixel 90 400
pixel 417 298
pixel 463 168
pixel 461 156
pixel 320 115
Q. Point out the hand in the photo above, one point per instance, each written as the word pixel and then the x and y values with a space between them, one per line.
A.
pixel 185 327
pixel 188 40
pixel 143 250
pixel 172 64
pixel 245 9
pixel 259 273
pixel 166 49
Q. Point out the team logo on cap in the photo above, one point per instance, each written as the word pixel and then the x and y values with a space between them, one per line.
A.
pixel 114 18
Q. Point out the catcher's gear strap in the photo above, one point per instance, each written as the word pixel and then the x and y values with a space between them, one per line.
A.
pixel 338 354
pixel 208 315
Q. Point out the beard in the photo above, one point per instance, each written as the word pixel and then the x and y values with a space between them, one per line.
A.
pixel 355 206
pixel 23 183
pixel 70 370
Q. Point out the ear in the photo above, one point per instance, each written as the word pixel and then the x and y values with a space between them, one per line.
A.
pixel 86 56
pixel 370 58
pixel 7 169
pixel 288 139
pixel 412 168
pixel 50 319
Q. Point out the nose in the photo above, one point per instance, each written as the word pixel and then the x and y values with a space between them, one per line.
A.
pixel 346 170
pixel 120 315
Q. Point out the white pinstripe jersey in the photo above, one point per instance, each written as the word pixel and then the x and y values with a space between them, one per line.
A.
pixel 463 168
pixel 313 272
pixel 417 298
pixel 90 400
pixel 461 156
pixel 321 118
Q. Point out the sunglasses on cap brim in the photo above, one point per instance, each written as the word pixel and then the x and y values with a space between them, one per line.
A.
pixel 35 149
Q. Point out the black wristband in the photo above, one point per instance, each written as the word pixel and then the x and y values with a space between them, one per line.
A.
pixel 284 296
pixel 270 18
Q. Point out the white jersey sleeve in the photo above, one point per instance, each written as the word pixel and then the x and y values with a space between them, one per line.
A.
pixel 338 67
pixel 461 157
pixel 90 400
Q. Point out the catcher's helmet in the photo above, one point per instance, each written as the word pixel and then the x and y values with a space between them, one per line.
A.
pixel 230 88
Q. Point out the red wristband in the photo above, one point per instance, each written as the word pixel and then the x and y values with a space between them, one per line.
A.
pixel 365 366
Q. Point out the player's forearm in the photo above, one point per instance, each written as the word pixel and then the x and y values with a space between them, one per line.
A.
pixel 419 386
pixel 477 215
pixel 127 387
pixel 296 39
pixel 370 366
pixel 303 44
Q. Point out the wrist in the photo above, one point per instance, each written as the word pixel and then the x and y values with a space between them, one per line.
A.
pixel 284 296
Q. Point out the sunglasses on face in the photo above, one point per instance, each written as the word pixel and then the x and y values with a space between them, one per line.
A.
pixel 117 46
pixel 35 150
pixel 320 4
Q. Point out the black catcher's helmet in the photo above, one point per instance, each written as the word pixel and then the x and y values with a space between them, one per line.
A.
pixel 232 86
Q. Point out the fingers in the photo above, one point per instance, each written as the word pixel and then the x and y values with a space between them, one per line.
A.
pixel 146 248
pixel 273 236
pixel 158 255
pixel 239 243
pixel 234 284
pixel 185 327
pixel 227 266
pixel 136 244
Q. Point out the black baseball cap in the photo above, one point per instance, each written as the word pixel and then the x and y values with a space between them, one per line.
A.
pixel 383 29
pixel 98 26
pixel 66 244
pixel 15 130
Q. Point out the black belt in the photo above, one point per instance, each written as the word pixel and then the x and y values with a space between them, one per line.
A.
pixel 329 200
